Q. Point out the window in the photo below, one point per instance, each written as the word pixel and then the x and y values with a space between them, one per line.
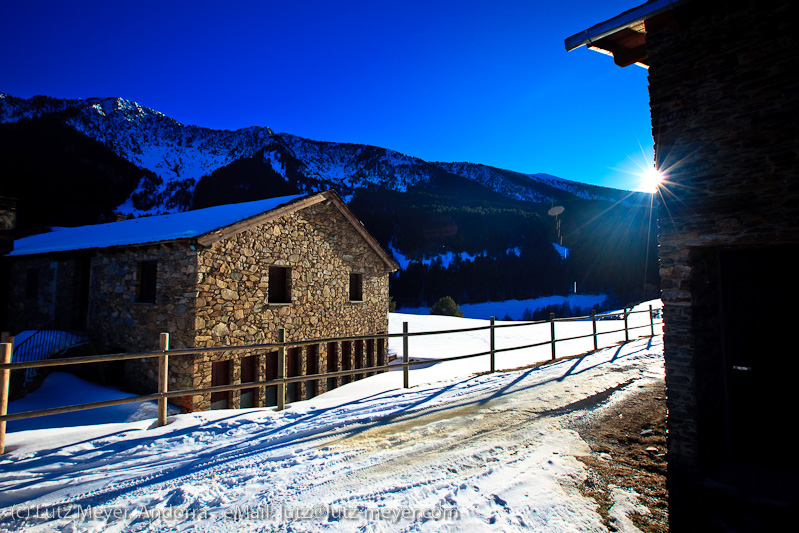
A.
pixel 356 287
pixel 32 283
pixel 249 373
pixel 220 375
pixel 147 281
pixel 279 285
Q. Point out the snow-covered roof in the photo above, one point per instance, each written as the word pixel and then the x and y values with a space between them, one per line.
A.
pixel 187 225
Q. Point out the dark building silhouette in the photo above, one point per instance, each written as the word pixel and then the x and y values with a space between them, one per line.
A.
pixel 723 85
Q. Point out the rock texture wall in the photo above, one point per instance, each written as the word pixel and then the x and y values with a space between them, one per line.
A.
pixel 31 311
pixel 321 248
pixel 724 92
pixel 120 323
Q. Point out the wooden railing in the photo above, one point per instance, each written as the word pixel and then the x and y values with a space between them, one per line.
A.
pixel 282 380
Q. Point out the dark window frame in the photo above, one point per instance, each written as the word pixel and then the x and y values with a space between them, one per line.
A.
pixel 221 375
pixel 148 282
pixel 356 287
pixel 279 291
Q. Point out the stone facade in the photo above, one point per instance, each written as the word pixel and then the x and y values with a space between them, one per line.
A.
pixel 215 291
pixel 724 90
pixel 34 301
pixel 320 248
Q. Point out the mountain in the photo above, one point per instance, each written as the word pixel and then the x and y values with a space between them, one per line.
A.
pixel 471 231
pixel 179 156
pixel 175 154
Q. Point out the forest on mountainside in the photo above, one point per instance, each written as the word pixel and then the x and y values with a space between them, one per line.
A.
pixel 512 244
pixel 60 177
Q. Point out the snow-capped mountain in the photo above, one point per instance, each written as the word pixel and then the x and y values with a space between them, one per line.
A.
pixel 180 155
pixel 76 162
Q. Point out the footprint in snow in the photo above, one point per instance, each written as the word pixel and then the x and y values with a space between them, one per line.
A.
pixel 499 501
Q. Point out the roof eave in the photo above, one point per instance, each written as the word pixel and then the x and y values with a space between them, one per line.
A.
pixel 16 253
pixel 626 20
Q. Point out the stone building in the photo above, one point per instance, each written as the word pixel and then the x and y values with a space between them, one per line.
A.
pixel 225 275
pixel 724 89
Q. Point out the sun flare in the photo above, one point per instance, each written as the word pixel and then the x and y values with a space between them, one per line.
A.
pixel 650 180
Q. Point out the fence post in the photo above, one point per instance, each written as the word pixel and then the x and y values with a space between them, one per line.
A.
pixel 626 331
pixel 163 377
pixel 405 377
pixel 651 321
pixel 281 369
pixel 492 344
pixel 552 327
pixel 5 378
pixel 593 323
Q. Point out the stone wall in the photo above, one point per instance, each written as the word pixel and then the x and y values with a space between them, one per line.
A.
pixel 321 248
pixel 724 91
pixel 119 323
pixel 58 297
pixel 28 311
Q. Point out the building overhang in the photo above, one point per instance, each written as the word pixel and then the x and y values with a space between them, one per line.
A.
pixel 624 36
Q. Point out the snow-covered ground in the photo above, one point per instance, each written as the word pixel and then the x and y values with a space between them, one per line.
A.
pixel 61 388
pixel 516 308
pixel 457 451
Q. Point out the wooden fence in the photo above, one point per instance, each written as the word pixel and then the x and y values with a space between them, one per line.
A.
pixel 164 353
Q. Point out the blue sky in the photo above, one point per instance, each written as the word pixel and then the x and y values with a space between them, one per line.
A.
pixel 486 82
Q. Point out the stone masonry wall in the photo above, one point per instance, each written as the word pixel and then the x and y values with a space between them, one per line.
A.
pixel 25 312
pixel 57 302
pixel 321 248
pixel 118 322
pixel 724 92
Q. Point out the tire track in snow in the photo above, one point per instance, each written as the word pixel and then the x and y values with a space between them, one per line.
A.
pixel 347 459
pixel 469 433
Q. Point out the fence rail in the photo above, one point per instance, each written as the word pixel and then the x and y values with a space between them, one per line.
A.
pixel 282 380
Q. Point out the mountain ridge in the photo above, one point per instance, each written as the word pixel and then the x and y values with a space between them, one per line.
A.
pixel 181 155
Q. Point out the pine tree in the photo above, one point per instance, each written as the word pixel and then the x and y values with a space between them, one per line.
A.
pixel 446 306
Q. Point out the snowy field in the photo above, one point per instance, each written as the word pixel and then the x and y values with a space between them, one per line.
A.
pixel 455 452
pixel 516 308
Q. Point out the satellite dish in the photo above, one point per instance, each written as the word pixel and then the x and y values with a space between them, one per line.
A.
pixel 556 210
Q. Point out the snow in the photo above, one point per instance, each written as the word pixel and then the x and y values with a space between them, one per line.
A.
pixel 445 258
pixel 60 388
pixel 180 155
pixel 562 250
pixel 146 229
pixel 273 159
pixel 515 308
pixel 458 451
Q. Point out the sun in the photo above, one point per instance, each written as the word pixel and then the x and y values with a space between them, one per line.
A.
pixel 650 180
